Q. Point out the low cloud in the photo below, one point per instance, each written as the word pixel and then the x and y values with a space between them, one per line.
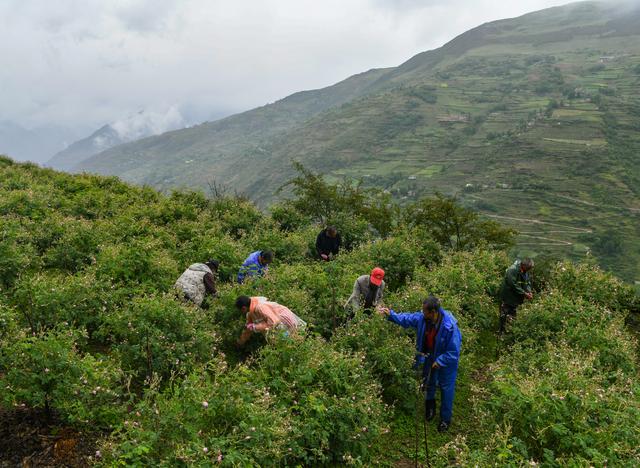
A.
pixel 147 123
pixel 92 62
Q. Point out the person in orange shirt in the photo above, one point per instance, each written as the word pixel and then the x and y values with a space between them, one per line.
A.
pixel 263 315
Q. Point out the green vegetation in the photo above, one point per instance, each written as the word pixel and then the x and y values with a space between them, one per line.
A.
pixel 92 338
pixel 537 109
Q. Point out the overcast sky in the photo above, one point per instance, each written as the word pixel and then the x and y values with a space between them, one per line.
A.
pixel 88 62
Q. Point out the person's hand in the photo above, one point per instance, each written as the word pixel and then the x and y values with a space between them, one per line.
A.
pixel 383 310
pixel 528 295
pixel 435 365
pixel 324 257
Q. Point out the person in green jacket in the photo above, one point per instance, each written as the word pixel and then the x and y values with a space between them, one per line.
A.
pixel 516 287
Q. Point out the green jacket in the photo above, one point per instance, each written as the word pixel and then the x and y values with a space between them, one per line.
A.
pixel 515 285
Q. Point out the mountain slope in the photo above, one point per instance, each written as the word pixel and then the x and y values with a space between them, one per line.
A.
pixel 130 128
pixel 103 138
pixel 532 119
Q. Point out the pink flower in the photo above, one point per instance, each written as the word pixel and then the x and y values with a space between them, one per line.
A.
pixel 220 457
pixel 205 404
pixel 98 454
pixel 205 449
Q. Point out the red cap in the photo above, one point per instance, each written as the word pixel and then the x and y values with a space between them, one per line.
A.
pixel 376 277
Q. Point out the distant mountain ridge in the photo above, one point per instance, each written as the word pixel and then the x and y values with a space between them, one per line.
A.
pixel 34 144
pixel 516 117
pixel 131 128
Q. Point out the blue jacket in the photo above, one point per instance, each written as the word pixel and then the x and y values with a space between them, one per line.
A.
pixel 447 343
pixel 252 267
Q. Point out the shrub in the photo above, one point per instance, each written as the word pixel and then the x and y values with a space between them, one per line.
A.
pixel 389 354
pixel 46 371
pixel 142 263
pixel 592 284
pixel 336 412
pixel 224 417
pixel 561 412
pixel 206 245
pixel 75 248
pixel 158 335
pixel 15 259
pixel 49 299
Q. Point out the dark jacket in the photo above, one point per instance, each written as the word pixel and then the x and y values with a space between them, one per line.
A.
pixel 447 343
pixel 515 285
pixel 327 245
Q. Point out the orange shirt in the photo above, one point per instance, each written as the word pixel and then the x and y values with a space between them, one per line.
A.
pixel 267 315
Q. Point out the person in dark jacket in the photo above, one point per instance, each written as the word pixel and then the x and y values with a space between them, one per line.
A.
pixel 255 264
pixel 438 343
pixel 198 281
pixel 328 243
pixel 516 287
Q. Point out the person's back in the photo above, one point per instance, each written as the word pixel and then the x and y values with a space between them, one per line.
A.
pixel 515 285
pixel 328 243
pixel 256 264
pixel 368 291
pixel 196 282
pixel 286 318
pixel 263 316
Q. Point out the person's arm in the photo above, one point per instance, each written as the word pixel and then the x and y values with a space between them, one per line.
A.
pixel 336 248
pixel 210 284
pixel 242 272
pixel 451 354
pixel 380 293
pixel 405 320
pixel 248 330
pixel 354 299
pixel 318 244
pixel 244 336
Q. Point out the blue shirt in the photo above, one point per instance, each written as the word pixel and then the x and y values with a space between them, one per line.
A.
pixel 252 267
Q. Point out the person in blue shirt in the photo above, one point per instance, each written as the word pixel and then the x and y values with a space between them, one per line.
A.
pixel 256 264
pixel 438 344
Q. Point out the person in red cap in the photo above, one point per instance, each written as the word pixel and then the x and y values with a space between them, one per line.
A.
pixel 367 291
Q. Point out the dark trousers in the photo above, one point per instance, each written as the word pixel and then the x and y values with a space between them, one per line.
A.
pixel 507 312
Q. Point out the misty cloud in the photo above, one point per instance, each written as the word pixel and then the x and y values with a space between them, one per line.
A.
pixel 93 62
pixel 146 123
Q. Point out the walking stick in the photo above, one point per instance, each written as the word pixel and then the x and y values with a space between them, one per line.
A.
pixel 424 384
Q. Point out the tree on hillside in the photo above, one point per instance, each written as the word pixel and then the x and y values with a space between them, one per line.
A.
pixel 456 227
pixel 324 202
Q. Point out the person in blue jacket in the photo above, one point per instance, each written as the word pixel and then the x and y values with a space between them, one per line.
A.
pixel 256 264
pixel 438 343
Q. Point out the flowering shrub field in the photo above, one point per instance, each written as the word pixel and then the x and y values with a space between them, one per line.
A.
pixel 92 336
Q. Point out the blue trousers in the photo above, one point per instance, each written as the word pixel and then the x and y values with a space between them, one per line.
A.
pixel 445 379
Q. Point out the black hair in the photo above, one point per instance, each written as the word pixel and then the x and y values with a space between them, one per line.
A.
pixel 213 264
pixel 243 301
pixel 267 255
pixel 432 303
